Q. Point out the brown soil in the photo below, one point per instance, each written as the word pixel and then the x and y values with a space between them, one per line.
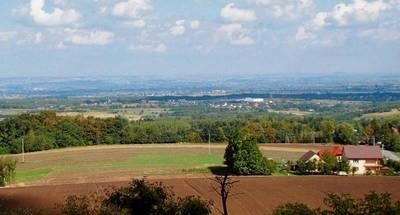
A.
pixel 253 195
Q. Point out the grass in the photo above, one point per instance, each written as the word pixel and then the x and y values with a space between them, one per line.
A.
pixel 182 160
pixel 158 162
pixel 90 163
pixel 150 161
pixel 32 175
pixel 398 154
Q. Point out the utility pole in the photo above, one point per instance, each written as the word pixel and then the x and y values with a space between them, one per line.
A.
pixel 209 142
pixel 23 150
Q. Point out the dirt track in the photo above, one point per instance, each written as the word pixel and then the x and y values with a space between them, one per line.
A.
pixel 255 195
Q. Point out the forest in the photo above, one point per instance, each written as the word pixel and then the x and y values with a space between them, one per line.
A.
pixel 46 130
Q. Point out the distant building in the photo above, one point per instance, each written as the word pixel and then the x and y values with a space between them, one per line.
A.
pixel 364 159
pixel 255 100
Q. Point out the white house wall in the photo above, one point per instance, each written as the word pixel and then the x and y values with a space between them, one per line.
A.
pixel 361 170
pixel 361 165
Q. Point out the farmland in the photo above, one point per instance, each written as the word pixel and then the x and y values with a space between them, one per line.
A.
pixel 121 162
pixel 392 113
pixel 47 177
pixel 254 195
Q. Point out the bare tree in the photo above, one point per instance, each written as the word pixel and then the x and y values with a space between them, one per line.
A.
pixel 223 187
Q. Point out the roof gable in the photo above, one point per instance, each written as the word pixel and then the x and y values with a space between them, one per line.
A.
pixel 307 156
pixel 362 152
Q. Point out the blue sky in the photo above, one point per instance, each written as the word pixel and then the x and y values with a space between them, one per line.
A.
pixel 198 38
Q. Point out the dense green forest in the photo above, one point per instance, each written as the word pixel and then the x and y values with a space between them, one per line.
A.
pixel 46 130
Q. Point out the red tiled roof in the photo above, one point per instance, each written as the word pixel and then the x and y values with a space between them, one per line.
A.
pixel 335 151
pixel 362 152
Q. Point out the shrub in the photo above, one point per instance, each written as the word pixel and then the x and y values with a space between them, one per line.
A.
pixel 7 210
pixel 293 208
pixel 192 205
pixel 7 169
pixel 395 165
pixel 140 197
pixel 343 204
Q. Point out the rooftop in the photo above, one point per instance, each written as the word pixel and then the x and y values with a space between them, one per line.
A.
pixel 307 156
pixel 362 152
pixel 335 151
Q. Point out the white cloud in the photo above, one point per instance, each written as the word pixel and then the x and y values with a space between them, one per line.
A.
pixel 180 22
pixel 319 20
pixel 381 34
pixel 7 35
pixel 344 14
pixel 56 17
pixel 140 23
pixel 38 38
pixel 60 2
pixel 387 30
pixel 231 13
pixel 60 45
pixel 155 47
pixel 369 10
pixel 236 34
pixel 131 8
pixel 85 37
pixel 178 28
pixel 286 9
pixel 358 10
pixel 28 38
pixel 302 34
pixel 195 24
pixel 21 11
pixel 103 10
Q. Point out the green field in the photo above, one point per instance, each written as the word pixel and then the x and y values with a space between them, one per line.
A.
pixel 100 163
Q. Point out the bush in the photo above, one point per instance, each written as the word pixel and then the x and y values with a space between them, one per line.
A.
pixel 343 204
pixel 395 165
pixel 7 169
pixel 293 208
pixel 7 210
pixel 140 197
pixel 77 205
pixel 192 205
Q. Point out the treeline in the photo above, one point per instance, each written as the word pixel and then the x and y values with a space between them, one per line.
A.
pixel 46 130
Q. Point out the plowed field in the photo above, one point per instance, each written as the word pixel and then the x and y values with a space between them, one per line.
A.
pixel 253 195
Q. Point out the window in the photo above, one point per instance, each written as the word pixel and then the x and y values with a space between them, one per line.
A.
pixel 355 161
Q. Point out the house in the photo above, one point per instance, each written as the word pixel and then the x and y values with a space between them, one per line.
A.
pixel 310 156
pixel 336 151
pixel 364 159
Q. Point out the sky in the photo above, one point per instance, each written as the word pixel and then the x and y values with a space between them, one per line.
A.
pixel 198 38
